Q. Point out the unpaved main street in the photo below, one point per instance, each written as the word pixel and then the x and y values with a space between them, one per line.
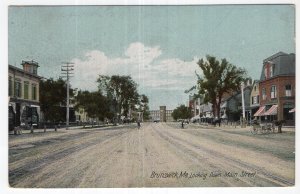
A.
pixel 157 155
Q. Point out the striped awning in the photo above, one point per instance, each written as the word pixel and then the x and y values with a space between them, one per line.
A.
pixel 292 110
pixel 272 110
pixel 260 111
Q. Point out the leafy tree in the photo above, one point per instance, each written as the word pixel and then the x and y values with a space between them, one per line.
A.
pixel 94 103
pixel 121 91
pixel 52 96
pixel 144 106
pixel 182 112
pixel 219 77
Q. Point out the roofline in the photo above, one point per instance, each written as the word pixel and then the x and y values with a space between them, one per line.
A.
pixel 282 75
pixel 25 72
pixel 280 53
pixel 236 93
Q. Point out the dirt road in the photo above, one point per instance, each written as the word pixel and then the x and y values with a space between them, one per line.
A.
pixel 157 155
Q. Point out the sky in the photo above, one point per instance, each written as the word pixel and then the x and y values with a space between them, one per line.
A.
pixel 158 46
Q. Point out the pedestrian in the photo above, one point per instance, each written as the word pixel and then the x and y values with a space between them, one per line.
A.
pixel 139 124
pixel 182 124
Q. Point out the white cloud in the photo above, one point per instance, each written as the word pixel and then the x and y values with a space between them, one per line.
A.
pixel 138 53
pixel 139 61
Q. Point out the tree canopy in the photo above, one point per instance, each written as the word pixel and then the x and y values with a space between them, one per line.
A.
pixel 182 112
pixel 52 97
pixel 219 77
pixel 122 92
pixel 94 104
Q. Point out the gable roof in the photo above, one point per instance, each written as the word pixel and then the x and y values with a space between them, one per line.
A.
pixel 235 94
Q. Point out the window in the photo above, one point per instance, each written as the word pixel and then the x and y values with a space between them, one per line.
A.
pixel 10 86
pixel 33 92
pixel 257 99
pixel 34 70
pixel 266 72
pixel 18 88
pixel 26 87
pixel 254 100
pixel 264 96
pixel 254 88
pixel 288 90
pixel 272 69
pixel 273 92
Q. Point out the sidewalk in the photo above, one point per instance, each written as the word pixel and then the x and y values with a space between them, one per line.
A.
pixel 28 131
pixel 237 127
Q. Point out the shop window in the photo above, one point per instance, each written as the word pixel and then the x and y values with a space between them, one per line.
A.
pixel 286 114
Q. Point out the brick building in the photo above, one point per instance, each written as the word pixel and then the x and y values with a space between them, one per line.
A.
pixel 277 88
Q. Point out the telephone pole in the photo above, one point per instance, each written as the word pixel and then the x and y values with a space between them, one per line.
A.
pixel 67 69
pixel 243 105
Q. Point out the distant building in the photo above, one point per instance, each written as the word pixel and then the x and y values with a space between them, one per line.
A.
pixel 23 91
pixel 206 111
pixel 231 107
pixel 162 114
pixel 277 88
pixel 194 104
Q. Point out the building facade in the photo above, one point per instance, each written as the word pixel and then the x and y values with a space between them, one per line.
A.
pixel 162 114
pixel 254 98
pixel 231 108
pixel 194 104
pixel 23 91
pixel 277 88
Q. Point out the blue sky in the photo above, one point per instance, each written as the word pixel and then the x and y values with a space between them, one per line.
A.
pixel 157 45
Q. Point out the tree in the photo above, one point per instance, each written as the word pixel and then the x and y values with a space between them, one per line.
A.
pixel 121 91
pixel 94 104
pixel 219 77
pixel 52 97
pixel 182 112
pixel 144 106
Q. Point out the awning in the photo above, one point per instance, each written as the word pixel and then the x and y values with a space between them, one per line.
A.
pixel 272 110
pixel 292 110
pixel 260 111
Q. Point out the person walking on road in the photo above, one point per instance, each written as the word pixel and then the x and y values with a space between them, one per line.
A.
pixel 139 124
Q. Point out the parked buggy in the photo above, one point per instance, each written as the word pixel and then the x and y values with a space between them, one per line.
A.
pixel 262 128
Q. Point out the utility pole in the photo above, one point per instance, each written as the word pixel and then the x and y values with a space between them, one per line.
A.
pixel 67 69
pixel 243 104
